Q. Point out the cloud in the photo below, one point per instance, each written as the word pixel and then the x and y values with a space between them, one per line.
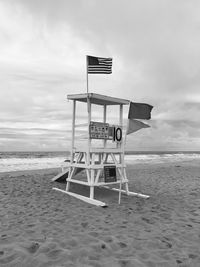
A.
pixel 155 50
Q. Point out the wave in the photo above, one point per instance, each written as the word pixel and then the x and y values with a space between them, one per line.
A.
pixel 162 158
pixel 20 164
pixel 18 161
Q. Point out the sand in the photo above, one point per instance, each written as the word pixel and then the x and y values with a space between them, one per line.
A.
pixel 43 227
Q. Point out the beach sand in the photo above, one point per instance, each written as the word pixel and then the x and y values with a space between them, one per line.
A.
pixel 43 227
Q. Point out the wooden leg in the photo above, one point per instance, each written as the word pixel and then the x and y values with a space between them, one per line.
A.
pixel 86 199
pixel 92 192
pixel 67 186
pixel 120 192
pixel 126 184
pixel 127 190
pixel 92 176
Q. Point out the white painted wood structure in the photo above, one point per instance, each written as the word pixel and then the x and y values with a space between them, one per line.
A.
pixel 94 159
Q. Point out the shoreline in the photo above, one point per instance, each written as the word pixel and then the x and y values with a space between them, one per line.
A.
pixel 39 163
pixel 129 164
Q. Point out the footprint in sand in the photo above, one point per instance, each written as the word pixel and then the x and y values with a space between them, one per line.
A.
pixel 147 220
pixel 32 248
pixel 94 234
pixel 8 259
pixel 84 224
pixel 122 245
pixel 54 253
pixel 167 243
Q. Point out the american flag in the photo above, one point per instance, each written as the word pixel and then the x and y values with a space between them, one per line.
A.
pixel 99 65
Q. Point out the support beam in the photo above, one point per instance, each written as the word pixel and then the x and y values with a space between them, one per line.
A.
pixel 83 198
pixel 73 130
pixel 129 192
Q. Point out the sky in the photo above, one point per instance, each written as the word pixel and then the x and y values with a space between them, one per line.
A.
pixel 155 46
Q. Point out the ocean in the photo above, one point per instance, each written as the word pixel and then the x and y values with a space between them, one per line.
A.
pixel 18 161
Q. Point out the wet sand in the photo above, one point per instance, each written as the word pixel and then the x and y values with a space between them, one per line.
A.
pixel 43 227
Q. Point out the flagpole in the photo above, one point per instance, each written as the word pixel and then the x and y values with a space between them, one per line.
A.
pixel 89 115
pixel 88 104
pixel 87 73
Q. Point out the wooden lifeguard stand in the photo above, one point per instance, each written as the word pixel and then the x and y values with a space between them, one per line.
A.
pixel 104 166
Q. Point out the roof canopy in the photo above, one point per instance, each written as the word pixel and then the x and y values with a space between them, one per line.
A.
pixel 98 99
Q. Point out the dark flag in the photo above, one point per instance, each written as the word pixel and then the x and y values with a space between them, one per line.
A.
pixel 140 111
pixel 99 65
pixel 134 125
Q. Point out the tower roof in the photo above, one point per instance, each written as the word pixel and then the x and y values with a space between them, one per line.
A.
pixel 98 99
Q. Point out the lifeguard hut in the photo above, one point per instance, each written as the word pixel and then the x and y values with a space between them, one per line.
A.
pixel 104 166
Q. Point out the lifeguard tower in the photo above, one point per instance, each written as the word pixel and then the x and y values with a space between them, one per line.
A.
pixel 104 166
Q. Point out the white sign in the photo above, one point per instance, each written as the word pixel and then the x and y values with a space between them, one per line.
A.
pixel 101 130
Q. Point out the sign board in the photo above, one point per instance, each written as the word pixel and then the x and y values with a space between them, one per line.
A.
pixel 101 130
pixel 110 174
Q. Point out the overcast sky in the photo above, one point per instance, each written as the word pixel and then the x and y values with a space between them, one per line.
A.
pixel 155 46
